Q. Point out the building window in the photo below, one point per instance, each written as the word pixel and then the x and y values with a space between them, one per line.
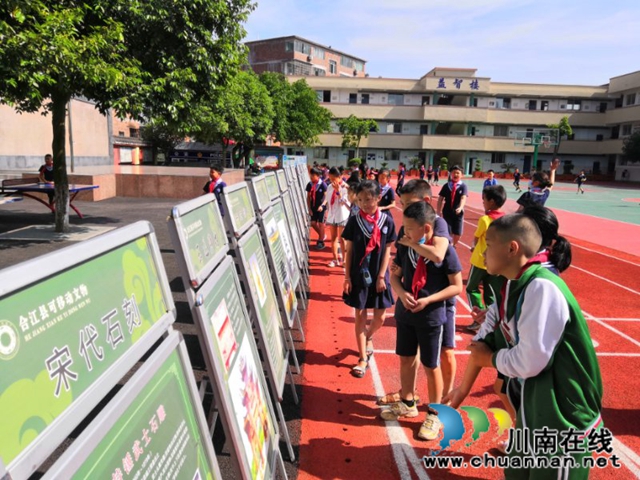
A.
pixel 498 157
pixel 121 134
pixel 626 130
pixel 134 132
pixel 324 96
pixel 424 129
pixel 321 153
pixel 544 105
pixel 374 129
pixel 426 100
pixel 500 130
pixel 333 67
pixel 288 46
pixel 533 105
pixel 364 98
pixel 396 99
pixel 574 104
pixel 353 98
pixel 630 99
pixel 319 72
pixel 346 61
pixel 473 102
pixel 358 66
pixel 317 53
pixel 391 155
pixel 302 47
pixel 394 127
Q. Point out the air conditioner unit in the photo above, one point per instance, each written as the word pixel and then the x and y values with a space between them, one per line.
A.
pixel 309 58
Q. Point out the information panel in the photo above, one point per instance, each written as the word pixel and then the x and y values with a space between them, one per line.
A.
pixel 282 180
pixel 153 428
pixel 260 193
pixel 294 226
pixel 272 185
pixel 264 303
pixel 237 201
pixel 280 251
pixel 198 227
pixel 239 380
pixel 73 323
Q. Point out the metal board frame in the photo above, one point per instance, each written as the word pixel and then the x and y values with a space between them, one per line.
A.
pixel 224 323
pixel 295 226
pixel 272 185
pixel 260 290
pixel 200 220
pixel 50 267
pixel 283 184
pixel 259 193
pixel 72 460
pixel 240 214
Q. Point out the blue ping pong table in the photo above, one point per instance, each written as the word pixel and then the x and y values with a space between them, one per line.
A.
pixel 29 189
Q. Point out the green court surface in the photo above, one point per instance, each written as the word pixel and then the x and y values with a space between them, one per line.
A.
pixel 610 202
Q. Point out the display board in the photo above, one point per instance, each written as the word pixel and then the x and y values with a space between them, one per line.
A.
pixel 295 224
pixel 272 185
pixel 73 323
pixel 259 193
pixel 238 380
pixel 281 258
pixel 198 233
pixel 153 428
pixel 237 202
pixel 264 304
pixel 281 176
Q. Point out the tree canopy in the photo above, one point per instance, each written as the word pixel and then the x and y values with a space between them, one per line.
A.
pixel 145 58
pixel 353 129
pixel 631 147
pixel 564 131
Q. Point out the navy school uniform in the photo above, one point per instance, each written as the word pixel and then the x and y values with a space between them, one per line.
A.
pixel 358 232
pixel 454 220
pixel 217 190
pixel 320 191
pixel 387 196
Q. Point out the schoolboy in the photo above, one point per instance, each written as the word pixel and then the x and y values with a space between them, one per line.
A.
pixel 388 197
pixel 422 288
pixel 215 184
pixel 316 190
pixel 451 202
pixel 493 198
pixel 516 180
pixel 45 174
pixel 414 191
pixel 491 180
pixel 580 179
pixel 541 344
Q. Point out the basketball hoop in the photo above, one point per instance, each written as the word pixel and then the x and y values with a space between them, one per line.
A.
pixel 546 144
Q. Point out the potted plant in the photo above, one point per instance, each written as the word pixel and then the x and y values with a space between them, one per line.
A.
pixel 506 170
pixel 415 164
pixel 384 164
pixel 444 166
pixel 354 162
pixel 477 171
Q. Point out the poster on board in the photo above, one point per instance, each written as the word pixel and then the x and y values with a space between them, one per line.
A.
pixel 272 185
pixel 153 428
pixel 259 193
pixel 237 201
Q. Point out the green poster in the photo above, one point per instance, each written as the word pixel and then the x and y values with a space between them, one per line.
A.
pixel 272 185
pixel 157 436
pixel 262 194
pixel 282 180
pixel 240 208
pixel 238 367
pixel 292 271
pixel 293 225
pixel 264 297
pixel 204 234
pixel 57 337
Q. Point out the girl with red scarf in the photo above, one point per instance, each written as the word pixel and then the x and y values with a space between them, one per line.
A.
pixel 337 204
pixel 368 238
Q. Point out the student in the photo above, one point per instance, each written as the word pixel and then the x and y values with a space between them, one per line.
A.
pixel 353 199
pixel 422 171
pixel 580 179
pixel 493 198
pixel 541 344
pixel 430 174
pixel 436 175
pixel 490 181
pixel 415 191
pixel 45 174
pixel 451 202
pixel 422 288
pixel 336 203
pixel 316 191
pixel 401 173
pixel 215 184
pixel 387 196
pixel 368 237
pixel 541 185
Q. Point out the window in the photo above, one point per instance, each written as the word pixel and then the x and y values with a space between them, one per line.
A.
pixel 394 127
pixel 574 104
pixel 506 103
pixel 121 134
pixel 500 130
pixel 391 155
pixel 317 53
pixel 396 99
pixel 374 129
pixel 630 99
pixel 353 98
pixel 288 46
pixel 358 66
pixel 473 102
pixel 426 100
pixel 134 132
pixel 302 47
pixel 364 98
pixel 533 104
pixel 326 96
pixel 319 72
pixel 498 158
pixel 544 105
pixel 424 129
pixel 626 129
pixel 346 62
pixel 333 67
pixel 321 153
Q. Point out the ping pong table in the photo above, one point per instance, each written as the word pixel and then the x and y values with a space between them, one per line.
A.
pixel 26 187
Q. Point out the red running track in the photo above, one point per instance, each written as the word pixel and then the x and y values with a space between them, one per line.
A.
pixel 342 436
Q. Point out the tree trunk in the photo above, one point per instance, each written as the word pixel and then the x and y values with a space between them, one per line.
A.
pixel 61 199
pixel 556 148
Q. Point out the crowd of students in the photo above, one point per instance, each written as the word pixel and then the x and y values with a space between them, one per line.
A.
pixel 526 323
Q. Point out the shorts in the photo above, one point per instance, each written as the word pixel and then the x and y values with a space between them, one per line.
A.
pixel 429 339
pixel 455 222
pixel 449 327
pixel 318 216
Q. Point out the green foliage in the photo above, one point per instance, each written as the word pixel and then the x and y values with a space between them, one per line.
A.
pixel 478 167
pixel 444 163
pixel 384 164
pixel 144 58
pixel 164 136
pixel 353 129
pixel 507 167
pixel 415 162
pixel 354 162
pixel 564 131
pixel 631 147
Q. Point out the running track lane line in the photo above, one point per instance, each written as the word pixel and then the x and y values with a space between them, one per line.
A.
pixel 402 449
pixel 605 279
pixel 599 354
pixel 588 316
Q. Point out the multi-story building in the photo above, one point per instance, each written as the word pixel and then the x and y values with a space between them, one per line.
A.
pixel 297 56
pixel 474 121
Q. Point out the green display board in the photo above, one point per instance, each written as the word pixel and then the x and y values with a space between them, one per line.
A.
pixel 68 337
pixel 294 225
pixel 240 388
pixel 260 193
pixel 198 227
pixel 272 185
pixel 153 428
pixel 282 250
pixel 264 302
pixel 282 180
pixel 237 202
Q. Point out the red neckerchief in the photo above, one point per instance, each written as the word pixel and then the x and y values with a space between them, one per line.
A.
pixel 452 187
pixel 540 257
pixel 213 185
pixel 314 188
pixel 374 241
pixel 495 214
pixel 335 195
pixel 420 275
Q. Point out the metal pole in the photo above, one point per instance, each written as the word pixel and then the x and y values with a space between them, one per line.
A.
pixel 70 136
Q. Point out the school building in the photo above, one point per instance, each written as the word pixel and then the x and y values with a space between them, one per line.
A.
pixel 474 121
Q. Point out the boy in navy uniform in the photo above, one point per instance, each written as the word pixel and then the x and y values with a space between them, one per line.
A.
pixel 316 190
pixel 387 195
pixel 215 184
pixel 451 202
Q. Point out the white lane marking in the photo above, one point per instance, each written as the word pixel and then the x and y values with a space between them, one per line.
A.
pixel 466 352
pixel 605 279
pixel 588 316
pixel 629 458
pixel 595 343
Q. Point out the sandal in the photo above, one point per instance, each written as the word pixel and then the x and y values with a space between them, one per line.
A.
pixel 359 371
pixel 332 264
pixel 369 348
pixel 395 397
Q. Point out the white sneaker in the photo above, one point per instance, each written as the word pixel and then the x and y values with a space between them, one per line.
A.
pixel 430 428
pixel 399 410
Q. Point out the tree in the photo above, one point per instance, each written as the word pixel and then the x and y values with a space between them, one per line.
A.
pixel 564 131
pixel 144 58
pixel 298 117
pixel 242 112
pixel 163 135
pixel 353 129
pixel 631 147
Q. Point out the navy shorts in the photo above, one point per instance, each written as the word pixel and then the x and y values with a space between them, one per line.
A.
pixel 429 339
pixel 455 222
pixel 318 216
pixel 449 333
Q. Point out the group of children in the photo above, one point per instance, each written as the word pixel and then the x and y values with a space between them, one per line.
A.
pixel 527 324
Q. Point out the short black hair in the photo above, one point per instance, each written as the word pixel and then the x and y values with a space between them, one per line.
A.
pixel 497 193
pixel 333 171
pixel 370 186
pixel 490 171
pixel 315 171
pixel 456 167
pixel 521 229
pixel 417 188
pixel 384 171
pixel 217 168
pixel 421 212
